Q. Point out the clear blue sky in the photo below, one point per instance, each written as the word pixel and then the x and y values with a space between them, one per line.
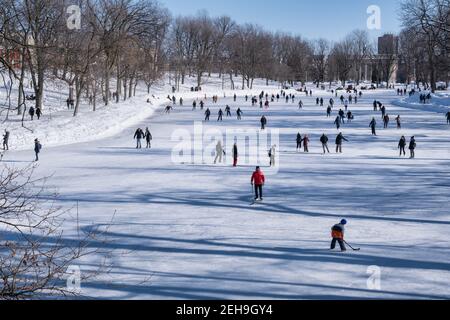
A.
pixel 331 19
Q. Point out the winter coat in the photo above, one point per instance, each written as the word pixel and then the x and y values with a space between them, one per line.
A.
pixel 139 134
pixel 324 139
pixel 337 232
pixel 258 178
pixel 235 152
pixel 148 135
pixel 412 144
pixel 37 147
pixel 402 143
pixel 339 139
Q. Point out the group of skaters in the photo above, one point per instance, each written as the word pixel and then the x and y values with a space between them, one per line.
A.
pixel 140 135
pixel 305 140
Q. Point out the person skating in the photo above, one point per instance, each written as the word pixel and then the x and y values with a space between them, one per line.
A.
pixel 202 105
pixel 306 144
pixel 373 126
pixel 349 116
pixel 219 152
pixel 299 141
pixel 329 112
pixel 402 146
pixel 6 140
pixel 337 235
pixel 207 114
pixel 321 102
pixel 272 154
pixel 339 140
pixel 38 112
pixel 324 141
pixel 239 113
pixel 258 180
pixel 383 112
pixel 448 117
pixel 194 105
pixel 399 122
pixel 235 155
pixel 31 113
pixel 138 135
pixel 37 148
pixel 234 97
pixel 148 138
pixel 342 116
pixel 337 122
pixel 317 101
pixel 263 122
pixel 300 104
pixel 228 111
pixel 181 101
pixel 412 148
pixel 220 117
pixel 386 120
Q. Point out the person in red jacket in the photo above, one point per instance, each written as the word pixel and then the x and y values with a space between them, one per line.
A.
pixel 258 181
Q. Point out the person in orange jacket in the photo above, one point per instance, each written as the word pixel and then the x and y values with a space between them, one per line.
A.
pixel 337 233
pixel 258 181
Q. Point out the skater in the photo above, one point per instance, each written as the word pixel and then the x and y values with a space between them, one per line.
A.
pixel 207 114
pixel 324 141
pixel 234 97
pixel 38 112
pixel 258 180
pixel 299 141
pixel 342 116
pixel 337 122
pixel 383 112
pixel 386 121
pixel 306 144
pixel 6 140
pixel 329 112
pixel 37 148
pixel 321 102
pixel 31 113
pixel 300 104
pixel 168 109
pixel 373 126
pixel 263 122
pixel 148 138
pixel 181 101
pixel 448 117
pixel 339 140
pixel 337 233
pixel 138 135
pixel 399 122
pixel 235 155
pixel 194 105
pixel 272 153
pixel 228 111
pixel 239 114
pixel 412 148
pixel 220 117
pixel 219 152
pixel 349 116
pixel 402 145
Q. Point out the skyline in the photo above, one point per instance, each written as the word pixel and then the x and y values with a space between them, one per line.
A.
pixel 311 20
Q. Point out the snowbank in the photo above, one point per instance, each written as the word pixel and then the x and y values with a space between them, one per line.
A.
pixel 440 102
pixel 58 127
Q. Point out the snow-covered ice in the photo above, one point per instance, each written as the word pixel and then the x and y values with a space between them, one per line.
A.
pixel 187 231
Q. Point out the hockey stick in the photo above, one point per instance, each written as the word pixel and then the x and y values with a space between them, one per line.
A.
pixel 354 249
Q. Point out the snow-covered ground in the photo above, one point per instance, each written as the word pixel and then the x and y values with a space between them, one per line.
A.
pixel 188 231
